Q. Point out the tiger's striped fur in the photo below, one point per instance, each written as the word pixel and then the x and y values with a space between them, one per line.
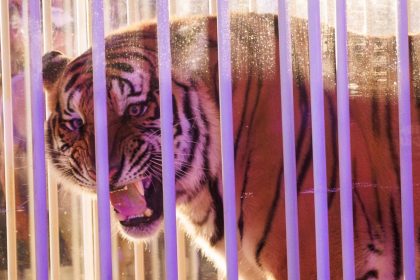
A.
pixel 134 149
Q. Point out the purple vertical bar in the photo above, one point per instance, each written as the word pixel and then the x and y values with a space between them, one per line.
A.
pixel 38 164
pixel 344 146
pixel 226 123
pixel 407 208
pixel 289 156
pixel 101 139
pixel 318 141
pixel 166 113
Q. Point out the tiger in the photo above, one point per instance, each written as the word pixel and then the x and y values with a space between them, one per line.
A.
pixel 135 159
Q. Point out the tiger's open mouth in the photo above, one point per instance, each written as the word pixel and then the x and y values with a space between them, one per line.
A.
pixel 138 205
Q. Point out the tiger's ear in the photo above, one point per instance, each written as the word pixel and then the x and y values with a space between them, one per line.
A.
pixel 53 65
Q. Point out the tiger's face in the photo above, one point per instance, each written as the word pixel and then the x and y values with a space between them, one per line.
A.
pixel 133 135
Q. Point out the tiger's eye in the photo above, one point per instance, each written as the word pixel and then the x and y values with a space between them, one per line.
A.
pixel 135 110
pixel 76 123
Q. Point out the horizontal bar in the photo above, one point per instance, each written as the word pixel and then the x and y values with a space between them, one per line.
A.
pixel 289 154
pixel 318 141
pixel 101 139
pixel 166 113
pixel 8 146
pixel 226 125
pixel 344 145
pixel 403 64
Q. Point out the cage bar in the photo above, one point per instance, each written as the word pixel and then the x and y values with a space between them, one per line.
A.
pixel 139 261
pixel 289 154
pixel 101 139
pixel 51 182
pixel 344 146
pixel 226 125
pixel 88 248
pixel 182 256
pixel 8 146
pixel 38 140
pixel 318 140
pixel 406 168
pixel 75 236
pixel 132 11
pixel 167 142
pixel 86 203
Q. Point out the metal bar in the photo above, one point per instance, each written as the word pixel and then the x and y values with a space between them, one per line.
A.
pixel 52 184
pixel 95 238
pixel 38 141
pixel 28 104
pixel 8 146
pixel 318 141
pixel 166 112
pixel 344 145
pixel 115 254
pixel 289 154
pixel 212 7
pixel 155 259
pixel 182 256
pixel 226 125
pixel 409 245
pixel 132 11
pixel 139 261
pixel 88 248
pixel 75 236
pixel 86 202
pixel 81 23
pixel 101 139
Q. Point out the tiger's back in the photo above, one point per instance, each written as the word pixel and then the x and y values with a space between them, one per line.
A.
pixel 258 138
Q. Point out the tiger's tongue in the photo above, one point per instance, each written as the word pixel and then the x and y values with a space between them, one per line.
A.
pixel 129 201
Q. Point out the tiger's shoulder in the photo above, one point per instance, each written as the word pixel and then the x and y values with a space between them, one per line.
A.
pixel 194 41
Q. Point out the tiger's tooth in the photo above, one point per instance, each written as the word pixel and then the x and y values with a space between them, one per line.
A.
pixel 148 212
pixel 140 188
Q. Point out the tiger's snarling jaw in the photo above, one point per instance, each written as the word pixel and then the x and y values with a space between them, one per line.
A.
pixel 133 136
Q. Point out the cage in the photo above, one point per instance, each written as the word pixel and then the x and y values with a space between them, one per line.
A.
pixel 345 47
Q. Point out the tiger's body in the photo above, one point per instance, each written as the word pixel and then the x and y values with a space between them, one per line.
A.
pixel 134 137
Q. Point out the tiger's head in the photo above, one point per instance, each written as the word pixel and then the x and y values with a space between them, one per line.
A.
pixel 134 134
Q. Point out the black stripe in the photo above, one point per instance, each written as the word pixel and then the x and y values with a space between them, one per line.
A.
pixel 206 163
pixel 140 159
pixel 243 115
pixel 364 212
pixel 373 273
pixel 270 219
pixel 334 172
pixel 371 247
pixel 68 104
pixel 140 142
pixel 218 208
pixel 194 132
pixel 76 66
pixel 72 81
pixel 303 170
pixel 375 120
pixel 243 191
pixel 391 146
pixel 131 55
pixel 177 123
pixel 378 201
pixel 304 110
pixel 122 66
pixel 397 241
